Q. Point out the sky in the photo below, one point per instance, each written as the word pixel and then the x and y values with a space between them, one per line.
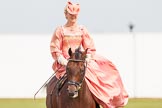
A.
pixel 99 16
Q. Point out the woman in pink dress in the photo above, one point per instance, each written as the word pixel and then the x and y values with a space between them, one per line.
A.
pixel 102 77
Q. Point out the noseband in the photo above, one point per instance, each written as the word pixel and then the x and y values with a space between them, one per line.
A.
pixel 77 84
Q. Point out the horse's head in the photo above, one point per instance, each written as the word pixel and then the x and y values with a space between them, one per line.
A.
pixel 75 70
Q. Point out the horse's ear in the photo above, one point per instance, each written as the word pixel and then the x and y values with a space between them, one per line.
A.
pixel 85 52
pixel 70 52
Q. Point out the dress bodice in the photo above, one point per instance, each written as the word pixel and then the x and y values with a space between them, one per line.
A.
pixel 71 39
pixel 71 42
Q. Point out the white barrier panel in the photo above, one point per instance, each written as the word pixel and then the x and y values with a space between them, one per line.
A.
pixel 25 62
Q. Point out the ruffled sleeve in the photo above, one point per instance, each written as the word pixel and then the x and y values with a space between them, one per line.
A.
pixel 88 42
pixel 56 43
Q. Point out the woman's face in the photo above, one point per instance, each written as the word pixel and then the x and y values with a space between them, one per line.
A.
pixel 71 18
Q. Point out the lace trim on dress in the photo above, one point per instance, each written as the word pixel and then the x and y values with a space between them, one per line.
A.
pixel 68 35
pixel 76 32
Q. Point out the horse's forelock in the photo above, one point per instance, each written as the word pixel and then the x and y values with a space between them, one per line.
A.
pixel 78 49
pixel 78 53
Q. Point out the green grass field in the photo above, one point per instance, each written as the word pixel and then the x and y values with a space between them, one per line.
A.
pixel 40 103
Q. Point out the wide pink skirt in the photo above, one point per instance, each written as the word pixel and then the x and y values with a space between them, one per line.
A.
pixel 105 83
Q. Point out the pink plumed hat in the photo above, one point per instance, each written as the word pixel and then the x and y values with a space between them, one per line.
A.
pixel 72 8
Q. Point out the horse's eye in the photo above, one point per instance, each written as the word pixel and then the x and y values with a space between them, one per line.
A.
pixel 67 69
pixel 82 69
pixel 82 72
pixel 82 66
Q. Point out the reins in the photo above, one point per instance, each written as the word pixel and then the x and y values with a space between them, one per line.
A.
pixel 47 81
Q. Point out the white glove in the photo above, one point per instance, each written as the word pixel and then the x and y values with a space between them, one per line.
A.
pixel 88 58
pixel 61 60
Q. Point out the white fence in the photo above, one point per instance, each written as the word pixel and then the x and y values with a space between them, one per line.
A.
pixel 25 62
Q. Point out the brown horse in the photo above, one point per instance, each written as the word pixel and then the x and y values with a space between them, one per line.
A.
pixel 71 91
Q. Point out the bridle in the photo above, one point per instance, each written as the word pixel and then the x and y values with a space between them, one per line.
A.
pixel 77 84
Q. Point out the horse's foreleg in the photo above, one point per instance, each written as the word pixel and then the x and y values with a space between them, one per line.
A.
pixel 49 101
pixel 50 89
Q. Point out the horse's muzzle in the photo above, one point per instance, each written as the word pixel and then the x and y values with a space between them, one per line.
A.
pixel 73 94
pixel 72 91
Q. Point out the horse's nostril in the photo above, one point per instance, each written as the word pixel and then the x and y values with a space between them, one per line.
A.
pixel 71 94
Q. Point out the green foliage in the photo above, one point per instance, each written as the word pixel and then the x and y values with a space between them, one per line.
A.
pixel 40 103
pixel 22 103
pixel 144 103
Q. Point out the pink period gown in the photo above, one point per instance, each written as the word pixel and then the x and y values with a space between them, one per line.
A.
pixel 102 77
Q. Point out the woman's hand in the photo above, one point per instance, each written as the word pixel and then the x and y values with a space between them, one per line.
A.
pixel 88 58
pixel 61 60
